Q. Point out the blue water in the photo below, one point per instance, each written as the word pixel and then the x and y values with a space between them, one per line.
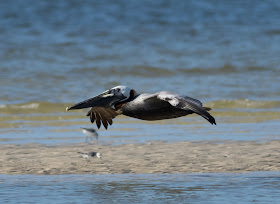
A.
pixel 257 187
pixel 64 51
pixel 224 53
pixel 55 54
pixel 137 132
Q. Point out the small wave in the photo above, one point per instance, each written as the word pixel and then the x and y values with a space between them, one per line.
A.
pixel 273 32
pixel 151 71
pixel 26 106
pixel 140 71
pixel 33 107
pixel 226 69
pixel 243 104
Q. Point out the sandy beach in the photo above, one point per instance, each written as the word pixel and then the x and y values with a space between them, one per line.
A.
pixel 158 157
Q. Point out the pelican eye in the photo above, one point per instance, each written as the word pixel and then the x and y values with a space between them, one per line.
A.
pixel 118 89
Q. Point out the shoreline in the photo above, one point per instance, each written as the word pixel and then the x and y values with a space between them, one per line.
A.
pixel 142 158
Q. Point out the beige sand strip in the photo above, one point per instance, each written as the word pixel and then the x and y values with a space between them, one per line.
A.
pixel 159 157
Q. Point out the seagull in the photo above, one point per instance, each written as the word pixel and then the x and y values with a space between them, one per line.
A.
pixel 90 132
pixel 146 106
pixel 89 155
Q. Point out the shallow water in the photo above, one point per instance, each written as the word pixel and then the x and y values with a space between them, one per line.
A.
pixel 257 187
pixel 54 54
pixel 242 120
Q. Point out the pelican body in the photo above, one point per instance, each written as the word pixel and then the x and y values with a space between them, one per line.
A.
pixel 158 106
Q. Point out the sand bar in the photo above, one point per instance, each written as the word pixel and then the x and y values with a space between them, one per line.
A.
pixel 158 157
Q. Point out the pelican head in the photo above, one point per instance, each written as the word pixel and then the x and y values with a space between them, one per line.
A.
pixel 107 99
pixel 124 90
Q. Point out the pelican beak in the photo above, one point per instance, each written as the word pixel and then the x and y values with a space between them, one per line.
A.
pixel 106 99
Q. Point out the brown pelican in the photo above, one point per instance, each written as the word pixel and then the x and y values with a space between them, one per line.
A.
pixel 158 106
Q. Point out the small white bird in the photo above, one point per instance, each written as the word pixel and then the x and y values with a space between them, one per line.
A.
pixel 89 155
pixel 90 133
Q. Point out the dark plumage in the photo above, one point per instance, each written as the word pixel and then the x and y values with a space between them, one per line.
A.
pixel 157 106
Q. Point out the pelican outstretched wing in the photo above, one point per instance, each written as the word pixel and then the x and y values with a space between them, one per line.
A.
pixel 100 114
pixel 186 103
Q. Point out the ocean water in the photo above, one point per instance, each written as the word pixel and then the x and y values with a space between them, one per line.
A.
pixel 67 50
pixel 257 187
pixel 56 53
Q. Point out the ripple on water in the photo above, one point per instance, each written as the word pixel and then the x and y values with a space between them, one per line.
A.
pixel 260 187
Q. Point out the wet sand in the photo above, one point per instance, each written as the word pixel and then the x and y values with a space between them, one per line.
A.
pixel 158 157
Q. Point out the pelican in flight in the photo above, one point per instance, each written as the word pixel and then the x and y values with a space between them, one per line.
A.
pixel 123 100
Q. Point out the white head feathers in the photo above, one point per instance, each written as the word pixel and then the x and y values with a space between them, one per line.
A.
pixel 124 90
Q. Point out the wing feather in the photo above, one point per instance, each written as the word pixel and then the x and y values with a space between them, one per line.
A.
pixel 98 119
pixel 102 115
pixel 92 117
pixel 107 116
pixel 193 100
pixel 186 103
